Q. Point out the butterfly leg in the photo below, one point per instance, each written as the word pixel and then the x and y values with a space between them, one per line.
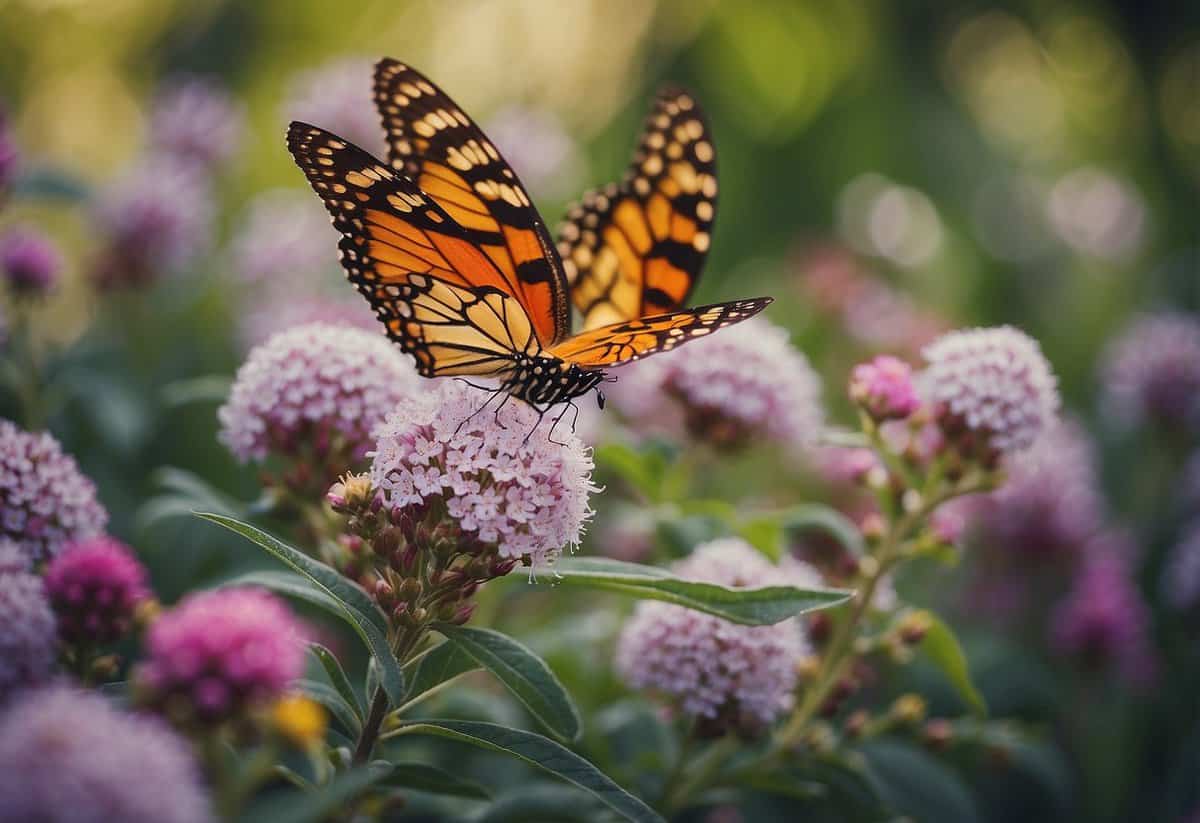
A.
pixel 541 413
pixel 568 405
pixel 490 398
pixel 507 397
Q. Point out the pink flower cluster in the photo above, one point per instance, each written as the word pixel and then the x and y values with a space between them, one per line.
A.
pixel 884 388
pixel 993 384
pixel 500 479
pixel 315 385
pixel 221 652
pixel 1152 371
pixel 709 667
pixel 95 586
pixel 196 121
pixel 27 639
pixel 748 383
pixel 337 97
pixel 44 499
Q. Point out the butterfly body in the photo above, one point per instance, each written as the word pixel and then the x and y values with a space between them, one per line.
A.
pixel 446 246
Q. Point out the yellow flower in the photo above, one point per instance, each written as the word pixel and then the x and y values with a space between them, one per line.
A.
pixel 299 719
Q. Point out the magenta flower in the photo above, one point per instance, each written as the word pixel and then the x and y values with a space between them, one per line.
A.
pixel 44 499
pixel 884 388
pixel 748 383
pixel 1103 622
pixel 991 384
pixel 153 220
pixel 523 495
pixel 1151 372
pixel 69 756
pixel 338 97
pixel 30 262
pixel 95 586
pixel 315 389
pixel 220 653
pixel 196 121
pixel 711 668
pixel 28 645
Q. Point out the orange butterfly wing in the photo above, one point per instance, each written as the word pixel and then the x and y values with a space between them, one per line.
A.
pixel 447 155
pixel 624 342
pixel 637 249
pixel 440 297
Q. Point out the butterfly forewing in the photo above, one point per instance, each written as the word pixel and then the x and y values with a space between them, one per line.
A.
pixel 432 141
pixel 630 340
pixel 636 249
pixel 439 296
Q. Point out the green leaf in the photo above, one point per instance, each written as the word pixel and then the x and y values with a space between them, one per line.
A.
pixel 815 517
pixel 765 534
pixel 328 697
pixel 914 783
pixel 434 669
pixel 541 803
pixel 523 673
pixel 213 388
pixel 643 471
pixel 752 607
pixel 942 648
pixel 337 677
pixel 425 778
pixel 356 607
pixel 321 803
pixel 545 754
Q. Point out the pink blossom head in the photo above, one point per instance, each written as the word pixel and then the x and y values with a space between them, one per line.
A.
pixel 283 239
pixel 152 221
pixel 28 644
pixel 220 653
pixel 337 97
pixel 30 262
pixel 1151 372
pixel 314 393
pixel 1049 505
pixel 44 499
pixel 95 586
pixel 497 477
pixel 884 388
pixel 196 121
pixel 1103 621
pixel 69 756
pixel 990 388
pixel 724 674
pixel 746 384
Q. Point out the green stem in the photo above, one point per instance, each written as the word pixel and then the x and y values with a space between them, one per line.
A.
pixel 703 769
pixel 405 644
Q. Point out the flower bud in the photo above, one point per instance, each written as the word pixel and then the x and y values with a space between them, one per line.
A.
pixel 909 709
pixel 884 389
pixel 938 733
pixel 856 723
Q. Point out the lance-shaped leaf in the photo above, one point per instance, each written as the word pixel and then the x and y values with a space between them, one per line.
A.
pixel 349 601
pixel 752 607
pixel 523 673
pixel 430 672
pixel 426 778
pixel 944 651
pixel 544 754
pixel 333 702
pixel 337 677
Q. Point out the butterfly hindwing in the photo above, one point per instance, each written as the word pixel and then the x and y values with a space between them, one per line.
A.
pixel 636 249
pixel 629 340
pixel 438 295
pixel 432 141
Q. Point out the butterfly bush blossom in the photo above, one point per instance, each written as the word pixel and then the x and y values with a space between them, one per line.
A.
pixel 196 121
pixel 746 383
pixel 152 220
pixel 1152 371
pixel 69 756
pixel 714 669
pixel 44 499
pixel 30 262
pixel 992 389
pixel 337 97
pixel 316 387
pixel 95 586
pixel 27 636
pixel 501 482
pixel 219 654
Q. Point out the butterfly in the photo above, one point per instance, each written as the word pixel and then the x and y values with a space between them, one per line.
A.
pixel 447 247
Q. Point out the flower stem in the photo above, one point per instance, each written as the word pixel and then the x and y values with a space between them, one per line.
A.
pixel 405 644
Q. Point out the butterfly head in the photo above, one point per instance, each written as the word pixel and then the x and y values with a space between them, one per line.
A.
pixel 544 381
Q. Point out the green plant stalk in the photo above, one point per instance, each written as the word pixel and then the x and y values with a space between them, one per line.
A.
pixel 703 768
pixel 406 642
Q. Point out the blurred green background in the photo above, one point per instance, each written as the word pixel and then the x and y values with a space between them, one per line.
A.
pixel 1034 163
